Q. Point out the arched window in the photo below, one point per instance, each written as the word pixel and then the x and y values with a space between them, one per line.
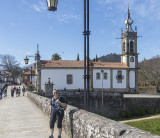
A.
pixel 105 76
pixel 97 76
pixel 131 47
pixel 124 46
pixel 69 79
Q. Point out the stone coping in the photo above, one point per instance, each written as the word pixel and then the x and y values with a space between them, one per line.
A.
pixel 79 123
pixel 141 96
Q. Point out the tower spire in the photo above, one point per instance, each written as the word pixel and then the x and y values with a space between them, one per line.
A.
pixel 128 14
pixel 37 48
pixel 128 22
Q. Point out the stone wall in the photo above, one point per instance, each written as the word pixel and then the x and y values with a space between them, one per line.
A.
pixel 114 103
pixel 3 85
pixel 142 102
pixel 79 123
pixel 152 89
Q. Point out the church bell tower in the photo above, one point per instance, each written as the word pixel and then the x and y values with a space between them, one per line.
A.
pixel 38 70
pixel 129 52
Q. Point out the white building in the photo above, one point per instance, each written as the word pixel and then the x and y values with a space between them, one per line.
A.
pixel 117 76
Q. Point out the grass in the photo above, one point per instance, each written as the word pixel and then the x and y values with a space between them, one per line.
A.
pixel 151 125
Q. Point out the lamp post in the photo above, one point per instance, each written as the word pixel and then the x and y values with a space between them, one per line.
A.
pixel 102 71
pixel 52 6
pixel 26 62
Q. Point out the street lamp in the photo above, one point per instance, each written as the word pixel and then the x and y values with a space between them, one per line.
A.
pixel 52 6
pixel 102 71
pixel 26 62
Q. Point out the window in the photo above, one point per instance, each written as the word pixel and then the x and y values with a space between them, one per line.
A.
pixel 25 77
pixel 131 59
pixel 105 76
pixel 69 79
pixel 119 76
pixel 124 46
pixel 131 47
pixel 98 76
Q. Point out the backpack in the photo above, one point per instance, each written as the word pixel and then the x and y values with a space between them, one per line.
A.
pixel 60 108
pixel 23 89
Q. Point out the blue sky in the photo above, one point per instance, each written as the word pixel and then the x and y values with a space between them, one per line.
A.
pixel 24 23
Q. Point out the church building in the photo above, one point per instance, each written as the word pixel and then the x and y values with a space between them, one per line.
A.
pixel 115 76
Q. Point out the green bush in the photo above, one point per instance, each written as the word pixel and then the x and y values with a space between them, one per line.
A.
pixel 149 111
pixel 158 110
pixel 128 114
pixel 142 113
pixel 136 112
pixel 123 114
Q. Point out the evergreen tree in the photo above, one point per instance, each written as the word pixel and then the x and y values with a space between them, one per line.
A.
pixel 78 57
pixel 56 56
pixel 96 60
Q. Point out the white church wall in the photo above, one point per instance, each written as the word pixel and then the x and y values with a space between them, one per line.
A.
pixel 131 64
pixel 59 78
pixel 115 82
pixel 98 83
pixel 124 60
pixel 132 79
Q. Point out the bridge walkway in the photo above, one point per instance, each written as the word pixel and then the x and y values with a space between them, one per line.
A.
pixel 20 118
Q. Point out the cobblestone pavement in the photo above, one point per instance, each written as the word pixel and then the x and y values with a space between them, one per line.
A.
pixel 20 118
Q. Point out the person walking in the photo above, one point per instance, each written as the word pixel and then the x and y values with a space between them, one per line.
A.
pixel 57 107
pixel 0 93
pixel 16 92
pixel 19 91
pixel 5 92
pixel 12 91
pixel 23 90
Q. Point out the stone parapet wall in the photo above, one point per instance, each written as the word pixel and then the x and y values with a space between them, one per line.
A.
pixel 79 123
pixel 2 85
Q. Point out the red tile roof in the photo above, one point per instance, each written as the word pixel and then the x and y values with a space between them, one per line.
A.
pixel 80 64
pixel 29 72
pixel 61 63
pixel 109 64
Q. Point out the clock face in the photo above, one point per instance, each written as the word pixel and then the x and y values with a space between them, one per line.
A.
pixel 131 59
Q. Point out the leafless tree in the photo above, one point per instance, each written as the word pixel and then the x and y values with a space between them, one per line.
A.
pixel 150 71
pixel 10 64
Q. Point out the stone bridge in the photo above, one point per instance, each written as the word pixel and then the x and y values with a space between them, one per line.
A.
pixel 21 117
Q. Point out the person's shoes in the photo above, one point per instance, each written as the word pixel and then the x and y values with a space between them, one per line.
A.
pixel 51 136
pixel 59 136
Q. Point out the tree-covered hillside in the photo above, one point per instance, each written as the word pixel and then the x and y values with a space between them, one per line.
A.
pixel 113 57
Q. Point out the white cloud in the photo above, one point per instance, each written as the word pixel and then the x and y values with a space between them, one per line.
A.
pixel 67 17
pixel 50 27
pixel 36 8
pixel 105 1
pixel 39 7
pixel 29 53
pixel 12 24
pixel 24 2
pixel 144 9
